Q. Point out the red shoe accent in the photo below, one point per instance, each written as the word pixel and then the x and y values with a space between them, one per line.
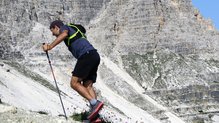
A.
pixel 94 113
pixel 98 120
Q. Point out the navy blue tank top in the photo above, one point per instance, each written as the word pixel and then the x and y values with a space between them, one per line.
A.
pixel 79 46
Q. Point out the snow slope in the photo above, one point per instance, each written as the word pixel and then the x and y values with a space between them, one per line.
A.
pixel 23 92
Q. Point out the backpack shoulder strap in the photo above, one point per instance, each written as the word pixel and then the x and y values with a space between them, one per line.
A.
pixel 78 34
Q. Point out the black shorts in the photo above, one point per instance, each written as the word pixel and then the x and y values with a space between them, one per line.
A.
pixel 87 65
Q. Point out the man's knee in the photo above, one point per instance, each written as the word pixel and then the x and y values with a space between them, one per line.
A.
pixel 75 81
pixel 88 84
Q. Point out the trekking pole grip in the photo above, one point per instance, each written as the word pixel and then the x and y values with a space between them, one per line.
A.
pixel 46 51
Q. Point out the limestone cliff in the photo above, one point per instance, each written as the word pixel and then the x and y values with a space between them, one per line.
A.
pixel 152 51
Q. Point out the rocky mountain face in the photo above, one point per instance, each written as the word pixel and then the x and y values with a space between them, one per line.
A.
pixel 160 57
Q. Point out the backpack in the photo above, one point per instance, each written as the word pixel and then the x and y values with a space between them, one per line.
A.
pixel 79 26
pixel 80 33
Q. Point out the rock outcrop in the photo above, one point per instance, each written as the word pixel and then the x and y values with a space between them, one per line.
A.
pixel 10 114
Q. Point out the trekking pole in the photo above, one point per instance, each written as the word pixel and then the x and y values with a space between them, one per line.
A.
pixel 47 54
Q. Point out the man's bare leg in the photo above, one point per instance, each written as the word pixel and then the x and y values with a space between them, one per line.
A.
pixel 89 85
pixel 77 86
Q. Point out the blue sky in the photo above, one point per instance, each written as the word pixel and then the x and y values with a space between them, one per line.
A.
pixel 208 9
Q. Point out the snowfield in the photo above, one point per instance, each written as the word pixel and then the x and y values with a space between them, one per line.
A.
pixel 25 93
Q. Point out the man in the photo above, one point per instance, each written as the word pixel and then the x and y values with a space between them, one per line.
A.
pixel 85 71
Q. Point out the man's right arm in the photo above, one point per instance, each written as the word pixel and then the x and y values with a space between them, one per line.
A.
pixel 58 40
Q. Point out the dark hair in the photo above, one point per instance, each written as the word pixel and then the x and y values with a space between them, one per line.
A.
pixel 57 23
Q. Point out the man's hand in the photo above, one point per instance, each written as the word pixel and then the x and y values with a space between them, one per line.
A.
pixel 46 47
